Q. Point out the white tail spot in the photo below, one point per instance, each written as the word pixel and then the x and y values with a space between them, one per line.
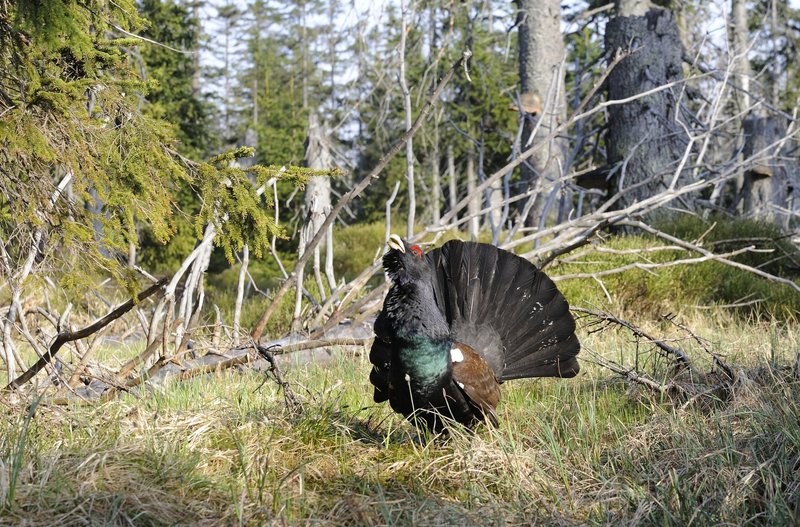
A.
pixel 460 384
pixel 456 355
pixel 408 378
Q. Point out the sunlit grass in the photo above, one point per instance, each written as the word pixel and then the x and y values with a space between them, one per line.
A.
pixel 222 450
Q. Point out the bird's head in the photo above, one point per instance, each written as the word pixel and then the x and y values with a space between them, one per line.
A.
pixel 404 264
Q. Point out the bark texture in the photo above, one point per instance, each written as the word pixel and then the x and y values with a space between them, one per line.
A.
pixel 644 140
pixel 317 205
pixel 767 180
pixel 541 52
pixel 632 7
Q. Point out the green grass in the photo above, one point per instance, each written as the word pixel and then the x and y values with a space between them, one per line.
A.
pixel 686 289
pixel 222 450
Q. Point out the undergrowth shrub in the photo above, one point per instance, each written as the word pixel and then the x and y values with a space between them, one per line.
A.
pixel 721 235
pixel 656 291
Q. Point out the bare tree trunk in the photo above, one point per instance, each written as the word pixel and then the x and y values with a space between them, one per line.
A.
pixel 436 179
pixel 298 296
pixel 741 65
pixel 412 198
pixel 435 154
pixel 317 203
pixel 329 274
pixel 237 308
pixel 541 54
pixel 230 16
pixel 388 231
pixel 474 207
pixel 305 46
pixel 452 183
pixel 743 73
pixel 195 285
pixel 643 137
pixel 495 204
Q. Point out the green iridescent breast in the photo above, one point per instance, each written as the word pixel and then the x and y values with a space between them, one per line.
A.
pixel 423 359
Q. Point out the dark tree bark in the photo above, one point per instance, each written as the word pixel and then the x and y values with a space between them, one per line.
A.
pixel 644 132
pixel 766 181
pixel 541 52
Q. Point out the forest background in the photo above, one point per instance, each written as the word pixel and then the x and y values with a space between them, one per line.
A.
pixel 185 183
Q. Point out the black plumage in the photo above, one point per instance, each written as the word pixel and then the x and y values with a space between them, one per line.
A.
pixel 459 321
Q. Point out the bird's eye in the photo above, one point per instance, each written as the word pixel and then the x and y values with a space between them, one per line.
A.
pixel 416 250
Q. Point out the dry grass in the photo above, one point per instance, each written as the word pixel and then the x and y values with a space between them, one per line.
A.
pixel 592 450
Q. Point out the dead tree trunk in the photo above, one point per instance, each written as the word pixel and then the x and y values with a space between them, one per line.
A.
pixel 317 206
pixel 237 307
pixel 766 181
pixel 739 45
pixel 541 53
pixel 474 207
pixel 494 201
pixel 644 141
pixel 436 179
pixel 412 196
pixel 741 65
pixel 452 182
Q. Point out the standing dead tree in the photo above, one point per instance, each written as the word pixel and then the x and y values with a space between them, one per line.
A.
pixel 317 204
pixel 258 330
pixel 542 103
pixel 644 139
pixel 406 14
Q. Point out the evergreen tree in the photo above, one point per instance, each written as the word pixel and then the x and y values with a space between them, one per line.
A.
pixel 78 157
pixel 173 69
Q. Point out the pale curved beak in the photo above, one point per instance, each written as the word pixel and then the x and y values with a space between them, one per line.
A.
pixel 396 243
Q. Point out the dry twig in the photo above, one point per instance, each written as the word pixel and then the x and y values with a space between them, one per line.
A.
pixel 601 316
pixel 69 336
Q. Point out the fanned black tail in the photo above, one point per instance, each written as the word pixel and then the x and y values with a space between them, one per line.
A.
pixel 506 309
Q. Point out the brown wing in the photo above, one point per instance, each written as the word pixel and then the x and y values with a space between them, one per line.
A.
pixel 477 380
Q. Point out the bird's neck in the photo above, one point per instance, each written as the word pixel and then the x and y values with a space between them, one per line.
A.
pixel 415 313
pixel 423 333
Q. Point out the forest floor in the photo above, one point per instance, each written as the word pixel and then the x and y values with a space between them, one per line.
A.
pixel 223 449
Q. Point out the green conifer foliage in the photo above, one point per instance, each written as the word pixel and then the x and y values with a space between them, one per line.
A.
pixel 70 93
pixel 173 84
